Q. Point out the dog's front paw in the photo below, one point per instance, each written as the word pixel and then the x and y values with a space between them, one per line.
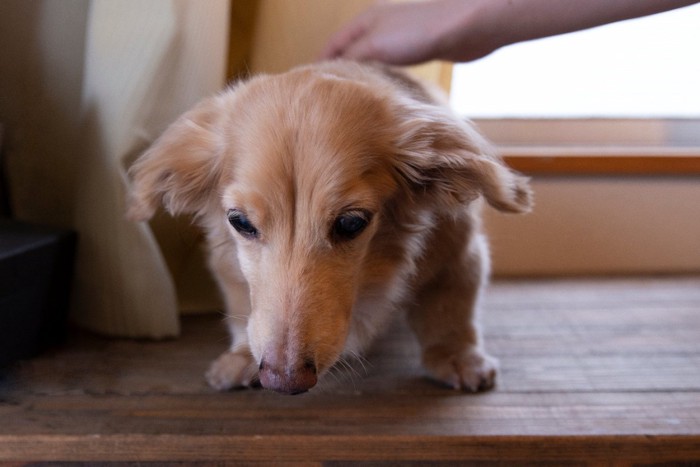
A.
pixel 232 370
pixel 469 370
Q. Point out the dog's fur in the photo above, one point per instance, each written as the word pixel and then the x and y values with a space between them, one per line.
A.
pixel 356 192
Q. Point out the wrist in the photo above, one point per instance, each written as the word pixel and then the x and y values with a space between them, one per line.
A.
pixel 476 29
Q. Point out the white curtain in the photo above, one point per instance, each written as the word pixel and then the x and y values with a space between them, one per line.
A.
pixel 102 95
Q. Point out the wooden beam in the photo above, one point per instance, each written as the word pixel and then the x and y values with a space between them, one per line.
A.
pixel 604 161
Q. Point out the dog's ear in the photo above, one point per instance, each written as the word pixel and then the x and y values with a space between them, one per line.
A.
pixel 446 160
pixel 183 165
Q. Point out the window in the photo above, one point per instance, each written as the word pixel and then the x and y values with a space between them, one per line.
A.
pixel 627 88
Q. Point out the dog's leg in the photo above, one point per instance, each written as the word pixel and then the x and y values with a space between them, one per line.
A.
pixel 444 319
pixel 233 369
pixel 236 367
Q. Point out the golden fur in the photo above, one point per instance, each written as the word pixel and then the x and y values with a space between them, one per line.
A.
pixel 355 193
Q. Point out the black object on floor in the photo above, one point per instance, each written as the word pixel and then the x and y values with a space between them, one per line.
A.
pixel 36 270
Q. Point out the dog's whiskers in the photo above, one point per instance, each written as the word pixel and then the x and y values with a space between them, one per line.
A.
pixel 243 318
pixel 362 360
pixel 347 370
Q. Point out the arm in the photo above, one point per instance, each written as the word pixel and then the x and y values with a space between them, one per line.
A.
pixel 464 30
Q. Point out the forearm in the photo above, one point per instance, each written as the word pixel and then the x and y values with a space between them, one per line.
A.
pixel 510 21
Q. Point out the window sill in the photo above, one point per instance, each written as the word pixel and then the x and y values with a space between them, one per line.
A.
pixel 590 160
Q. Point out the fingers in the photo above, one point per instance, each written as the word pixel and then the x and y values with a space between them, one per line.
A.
pixel 343 42
pixel 392 33
pixel 362 49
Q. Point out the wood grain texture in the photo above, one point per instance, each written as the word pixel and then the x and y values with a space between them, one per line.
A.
pixel 592 371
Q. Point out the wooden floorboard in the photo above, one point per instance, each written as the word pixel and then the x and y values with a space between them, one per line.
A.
pixel 603 371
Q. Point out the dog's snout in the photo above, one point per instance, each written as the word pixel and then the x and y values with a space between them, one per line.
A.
pixel 287 379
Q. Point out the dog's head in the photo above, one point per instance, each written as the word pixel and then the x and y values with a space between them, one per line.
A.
pixel 293 174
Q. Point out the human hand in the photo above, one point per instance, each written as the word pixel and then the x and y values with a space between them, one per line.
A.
pixel 409 33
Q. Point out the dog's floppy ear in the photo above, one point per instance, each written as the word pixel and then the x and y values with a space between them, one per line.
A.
pixel 182 166
pixel 448 161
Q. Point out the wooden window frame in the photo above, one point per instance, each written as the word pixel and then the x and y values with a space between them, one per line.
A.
pixel 586 159
pixel 603 161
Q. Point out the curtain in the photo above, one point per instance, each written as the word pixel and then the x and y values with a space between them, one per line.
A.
pixel 145 64
pixel 95 82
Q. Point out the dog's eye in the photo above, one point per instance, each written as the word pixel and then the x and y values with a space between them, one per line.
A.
pixel 351 224
pixel 241 223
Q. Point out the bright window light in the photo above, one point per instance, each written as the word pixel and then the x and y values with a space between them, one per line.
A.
pixel 642 68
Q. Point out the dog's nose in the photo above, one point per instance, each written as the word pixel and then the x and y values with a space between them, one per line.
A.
pixel 288 380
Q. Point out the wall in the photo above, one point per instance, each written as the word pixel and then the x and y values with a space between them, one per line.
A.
pixel 290 33
pixel 584 225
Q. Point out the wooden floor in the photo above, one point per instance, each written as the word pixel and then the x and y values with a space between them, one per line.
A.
pixel 592 372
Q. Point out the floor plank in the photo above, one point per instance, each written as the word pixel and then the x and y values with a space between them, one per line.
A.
pixel 592 371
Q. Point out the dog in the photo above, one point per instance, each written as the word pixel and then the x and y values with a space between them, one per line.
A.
pixel 332 196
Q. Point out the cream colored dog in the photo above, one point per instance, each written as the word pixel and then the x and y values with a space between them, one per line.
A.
pixel 332 196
